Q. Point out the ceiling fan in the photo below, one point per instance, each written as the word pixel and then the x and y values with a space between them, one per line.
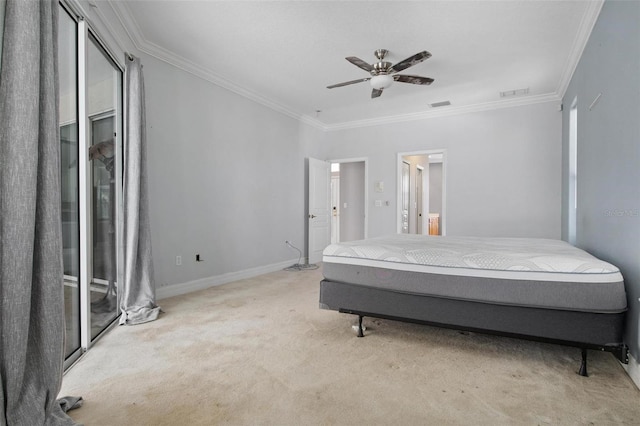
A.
pixel 381 72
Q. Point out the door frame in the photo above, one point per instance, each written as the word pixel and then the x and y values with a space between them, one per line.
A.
pixel 364 160
pixel 334 189
pixel 400 157
pixel 422 199
pixel 404 197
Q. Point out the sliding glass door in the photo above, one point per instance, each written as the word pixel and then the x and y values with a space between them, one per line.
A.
pixel 90 170
pixel 104 87
pixel 68 65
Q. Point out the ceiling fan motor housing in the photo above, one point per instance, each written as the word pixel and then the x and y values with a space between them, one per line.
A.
pixel 380 72
pixel 381 68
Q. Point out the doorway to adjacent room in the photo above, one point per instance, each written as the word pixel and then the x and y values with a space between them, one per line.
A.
pixel 348 200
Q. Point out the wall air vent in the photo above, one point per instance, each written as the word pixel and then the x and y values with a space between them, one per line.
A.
pixel 439 104
pixel 516 92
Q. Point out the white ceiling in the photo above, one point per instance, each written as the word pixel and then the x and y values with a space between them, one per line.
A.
pixel 284 54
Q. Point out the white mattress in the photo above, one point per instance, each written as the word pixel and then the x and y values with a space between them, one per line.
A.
pixel 528 259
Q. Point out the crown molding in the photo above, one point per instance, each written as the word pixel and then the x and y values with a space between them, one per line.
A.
pixel 587 23
pixel 132 29
pixel 130 25
pixel 446 111
pixel 313 122
pixel 106 23
pixel 135 34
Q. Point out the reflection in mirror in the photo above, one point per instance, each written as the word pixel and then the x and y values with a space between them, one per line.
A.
pixel 421 193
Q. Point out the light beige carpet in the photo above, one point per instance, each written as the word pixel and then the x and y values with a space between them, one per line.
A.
pixel 260 351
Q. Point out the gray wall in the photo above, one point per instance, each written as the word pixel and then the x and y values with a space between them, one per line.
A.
pixel 352 193
pixel 503 168
pixel 227 178
pixel 608 173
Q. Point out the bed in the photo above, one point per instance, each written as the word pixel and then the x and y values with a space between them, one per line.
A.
pixel 537 289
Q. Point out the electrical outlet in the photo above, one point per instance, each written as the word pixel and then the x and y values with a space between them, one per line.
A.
pixel 178 260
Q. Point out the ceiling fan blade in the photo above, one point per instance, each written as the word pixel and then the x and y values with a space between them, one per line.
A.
pixel 359 63
pixel 376 93
pixel 411 61
pixel 413 79
pixel 346 83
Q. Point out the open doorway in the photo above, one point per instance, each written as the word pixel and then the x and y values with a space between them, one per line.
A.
pixel 421 193
pixel 348 200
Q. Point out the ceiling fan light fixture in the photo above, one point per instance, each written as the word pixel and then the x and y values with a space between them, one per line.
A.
pixel 381 81
pixel 381 71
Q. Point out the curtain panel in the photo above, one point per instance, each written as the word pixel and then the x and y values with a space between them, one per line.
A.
pixel 137 300
pixel 31 273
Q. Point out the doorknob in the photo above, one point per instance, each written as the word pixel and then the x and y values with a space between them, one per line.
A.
pixel 311 216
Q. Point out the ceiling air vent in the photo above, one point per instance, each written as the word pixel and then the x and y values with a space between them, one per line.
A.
pixel 440 104
pixel 516 92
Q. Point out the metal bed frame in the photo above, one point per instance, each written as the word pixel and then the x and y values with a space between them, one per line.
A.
pixel 583 330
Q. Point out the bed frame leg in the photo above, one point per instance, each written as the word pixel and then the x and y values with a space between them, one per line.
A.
pixel 360 333
pixel 583 364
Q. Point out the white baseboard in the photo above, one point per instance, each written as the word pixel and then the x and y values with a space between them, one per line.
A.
pixel 202 283
pixel 633 370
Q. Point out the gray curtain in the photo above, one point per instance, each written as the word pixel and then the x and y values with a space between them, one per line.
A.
pixel 137 300
pixel 31 274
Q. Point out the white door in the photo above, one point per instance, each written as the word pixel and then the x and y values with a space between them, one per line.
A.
pixel 319 208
